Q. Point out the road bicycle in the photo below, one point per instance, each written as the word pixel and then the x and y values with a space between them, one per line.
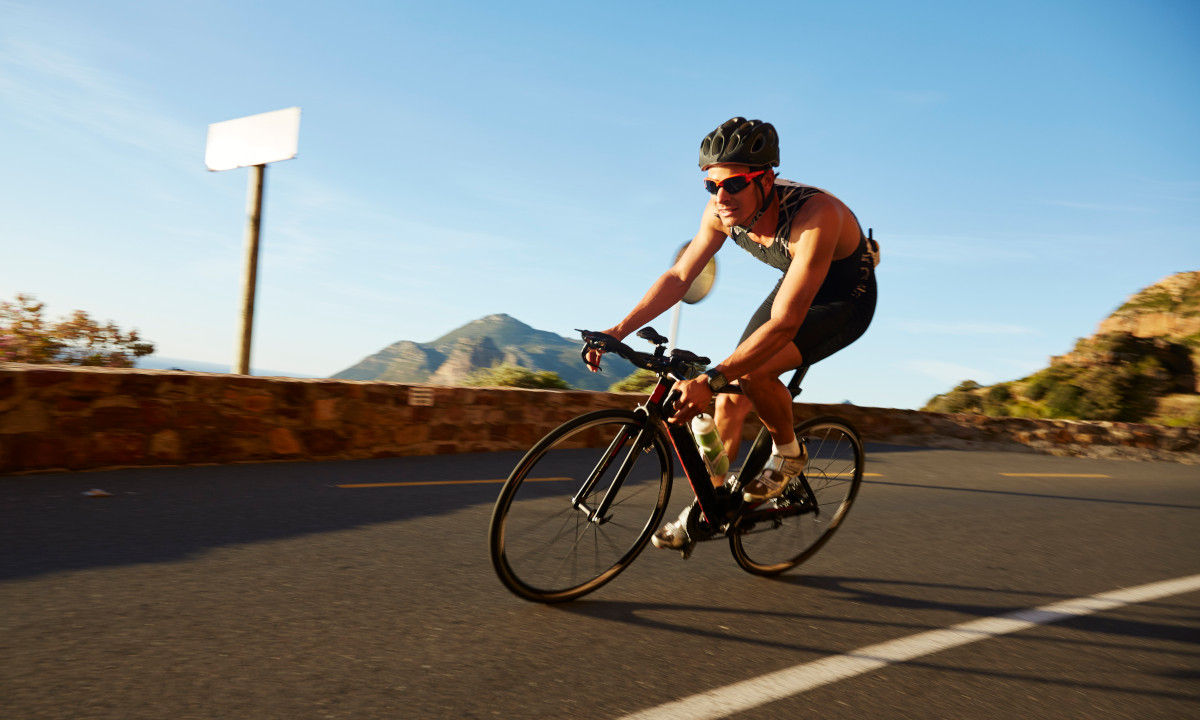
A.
pixel 583 502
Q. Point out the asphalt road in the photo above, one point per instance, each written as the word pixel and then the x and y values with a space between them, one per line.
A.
pixel 267 591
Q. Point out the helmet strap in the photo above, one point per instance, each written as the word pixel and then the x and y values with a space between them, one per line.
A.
pixel 763 204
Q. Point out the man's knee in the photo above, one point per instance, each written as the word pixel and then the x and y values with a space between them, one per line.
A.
pixel 733 406
pixel 758 379
pixel 768 375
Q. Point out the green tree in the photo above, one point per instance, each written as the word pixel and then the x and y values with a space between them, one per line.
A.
pixel 961 399
pixel 996 400
pixel 640 381
pixel 27 336
pixel 1043 381
pixel 515 376
pixel 1063 400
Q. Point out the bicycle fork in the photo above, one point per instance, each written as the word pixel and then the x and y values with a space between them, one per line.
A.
pixel 599 514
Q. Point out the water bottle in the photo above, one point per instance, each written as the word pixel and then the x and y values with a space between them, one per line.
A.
pixel 711 447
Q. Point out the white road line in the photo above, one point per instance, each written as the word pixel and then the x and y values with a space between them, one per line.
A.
pixel 742 696
pixel 1056 475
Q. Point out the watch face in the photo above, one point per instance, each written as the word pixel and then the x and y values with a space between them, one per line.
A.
pixel 716 380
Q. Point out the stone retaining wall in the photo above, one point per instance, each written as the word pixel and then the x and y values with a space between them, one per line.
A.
pixel 61 417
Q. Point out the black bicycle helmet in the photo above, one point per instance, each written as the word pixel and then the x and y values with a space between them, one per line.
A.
pixel 741 142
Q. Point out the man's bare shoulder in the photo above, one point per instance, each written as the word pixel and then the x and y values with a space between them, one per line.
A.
pixel 820 210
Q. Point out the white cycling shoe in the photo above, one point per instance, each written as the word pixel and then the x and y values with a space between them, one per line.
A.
pixel 673 535
pixel 774 478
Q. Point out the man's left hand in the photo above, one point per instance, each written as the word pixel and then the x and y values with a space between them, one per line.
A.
pixel 694 398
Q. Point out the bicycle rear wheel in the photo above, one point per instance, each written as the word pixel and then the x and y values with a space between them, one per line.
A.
pixel 547 542
pixel 793 527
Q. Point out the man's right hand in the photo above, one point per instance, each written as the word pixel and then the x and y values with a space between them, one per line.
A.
pixel 592 359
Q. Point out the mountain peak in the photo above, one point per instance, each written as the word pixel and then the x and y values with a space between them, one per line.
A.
pixel 482 343
pixel 501 318
pixel 503 329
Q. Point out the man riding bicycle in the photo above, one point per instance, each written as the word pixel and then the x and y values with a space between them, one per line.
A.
pixel 824 301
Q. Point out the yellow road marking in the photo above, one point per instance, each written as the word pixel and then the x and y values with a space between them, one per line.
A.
pixel 1056 475
pixel 442 482
pixel 473 482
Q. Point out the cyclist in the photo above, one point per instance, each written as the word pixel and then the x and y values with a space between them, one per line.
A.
pixel 824 301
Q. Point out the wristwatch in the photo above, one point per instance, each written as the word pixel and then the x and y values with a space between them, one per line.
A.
pixel 716 379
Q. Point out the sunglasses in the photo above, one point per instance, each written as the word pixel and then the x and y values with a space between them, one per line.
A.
pixel 732 184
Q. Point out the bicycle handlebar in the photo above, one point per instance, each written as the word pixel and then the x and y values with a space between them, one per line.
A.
pixel 683 364
pixel 680 363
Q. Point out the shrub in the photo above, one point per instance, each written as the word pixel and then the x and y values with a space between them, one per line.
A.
pixel 1039 384
pixel 1000 393
pixel 960 402
pixel 955 401
pixel 515 376
pixel 640 381
pixel 996 400
pixel 27 336
pixel 1062 400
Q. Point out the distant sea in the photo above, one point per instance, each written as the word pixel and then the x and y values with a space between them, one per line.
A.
pixel 157 362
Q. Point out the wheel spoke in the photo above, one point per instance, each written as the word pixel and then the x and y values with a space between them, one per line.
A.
pixel 545 551
pixel 833 472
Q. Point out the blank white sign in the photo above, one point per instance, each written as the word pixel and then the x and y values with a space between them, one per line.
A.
pixel 254 140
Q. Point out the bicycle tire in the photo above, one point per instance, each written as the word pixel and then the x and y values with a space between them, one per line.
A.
pixel 834 472
pixel 542 546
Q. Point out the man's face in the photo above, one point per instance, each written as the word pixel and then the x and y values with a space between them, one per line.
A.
pixel 737 207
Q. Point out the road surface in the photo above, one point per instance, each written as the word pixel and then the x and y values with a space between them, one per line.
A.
pixel 269 591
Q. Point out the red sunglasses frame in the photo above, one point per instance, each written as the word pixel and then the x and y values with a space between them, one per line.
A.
pixel 714 186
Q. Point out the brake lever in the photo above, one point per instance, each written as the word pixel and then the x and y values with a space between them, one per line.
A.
pixel 590 342
pixel 583 354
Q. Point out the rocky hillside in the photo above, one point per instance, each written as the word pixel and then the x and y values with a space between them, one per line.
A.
pixel 1168 309
pixel 1142 364
pixel 484 343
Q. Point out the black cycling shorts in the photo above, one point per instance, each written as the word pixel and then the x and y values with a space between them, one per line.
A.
pixel 829 326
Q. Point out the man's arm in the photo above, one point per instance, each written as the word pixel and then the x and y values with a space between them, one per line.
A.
pixel 812 246
pixel 671 286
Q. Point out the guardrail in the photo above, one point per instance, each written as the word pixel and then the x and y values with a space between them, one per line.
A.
pixel 71 418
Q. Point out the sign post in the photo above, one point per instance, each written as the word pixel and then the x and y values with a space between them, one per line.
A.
pixel 253 142
pixel 696 292
pixel 254 201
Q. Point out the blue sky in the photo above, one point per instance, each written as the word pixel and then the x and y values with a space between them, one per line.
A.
pixel 1026 166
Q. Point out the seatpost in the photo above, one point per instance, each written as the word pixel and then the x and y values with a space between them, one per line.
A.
pixel 793 385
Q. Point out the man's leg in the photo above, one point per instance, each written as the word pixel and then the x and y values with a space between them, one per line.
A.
pixel 770 396
pixel 731 417
pixel 765 393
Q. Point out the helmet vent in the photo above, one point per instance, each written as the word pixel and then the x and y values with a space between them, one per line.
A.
pixel 739 141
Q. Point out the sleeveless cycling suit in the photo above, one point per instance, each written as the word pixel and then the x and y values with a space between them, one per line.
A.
pixel 844 304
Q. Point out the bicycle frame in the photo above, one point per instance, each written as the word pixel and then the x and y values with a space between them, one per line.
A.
pixel 659 407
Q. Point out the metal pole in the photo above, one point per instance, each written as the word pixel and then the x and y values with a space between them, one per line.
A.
pixel 674 327
pixel 254 201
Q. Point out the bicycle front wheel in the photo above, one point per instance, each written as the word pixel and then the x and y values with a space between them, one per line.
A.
pixel 792 528
pixel 580 505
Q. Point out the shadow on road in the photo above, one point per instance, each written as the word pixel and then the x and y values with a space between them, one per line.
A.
pixel 1103 630
pixel 47 524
